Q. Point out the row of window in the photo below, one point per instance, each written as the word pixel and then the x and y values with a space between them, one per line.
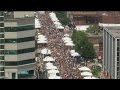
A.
pixel 14 52
pixel 1 24
pixel 1 18
pixel 2 58
pixel 1 68
pixel 1 13
pixel 2 73
pixel 1 29
pixel 19 40
pixel 20 28
pixel 15 63
pixel 1 35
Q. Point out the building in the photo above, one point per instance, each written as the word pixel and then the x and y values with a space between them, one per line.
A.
pixel 17 44
pixel 111 53
pixel 2 71
pixel 92 17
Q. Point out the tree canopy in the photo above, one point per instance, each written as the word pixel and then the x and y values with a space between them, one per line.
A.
pixel 94 29
pixel 82 45
pixel 62 16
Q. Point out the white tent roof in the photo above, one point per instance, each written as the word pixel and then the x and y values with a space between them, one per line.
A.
pixel 66 39
pixel 72 51
pixel 45 51
pixel 54 77
pixel 86 74
pixel 90 77
pixel 53 71
pixel 37 23
pixel 66 35
pixel 51 67
pixel 75 54
pixel 48 59
pixel 42 41
pixel 60 27
pixel 84 69
pixel 70 44
pixel 49 64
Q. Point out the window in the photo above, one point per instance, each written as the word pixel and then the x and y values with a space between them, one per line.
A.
pixel 1 29
pixel 117 53
pixel 15 63
pixel 11 63
pixel 13 75
pixel 118 49
pixel 1 24
pixel 118 58
pixel 1 68
pixel 1 46
pixel 1 13
pixel 1 35
pixel 11 52
pixel 20 28
pixel 2 73
pixel 1 18
pixel 2 57
pixel 2 63
pixel 2 41
pixel 2 51
pixel 19 40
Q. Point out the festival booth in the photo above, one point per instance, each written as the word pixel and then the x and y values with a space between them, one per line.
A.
pixel 85 74
pixel 84 69
pixel 45 52
pixel 92 77
pixel 53 72
pixel 49 59
pixel 54 77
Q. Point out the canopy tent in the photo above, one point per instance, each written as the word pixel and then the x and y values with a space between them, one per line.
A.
pixel 66 35
pixel 45 51
pixel 48 58
pixel 86 74
pixel 72 51
pixel 70 44
pixel 51 67
pixel 53 71
pixel 41 36
pixel 37 23
pixel 90 77
pixel 84 69
pixel 48 64
pixel 39 42
pixel 75 54
pixel 60 27
pixel 54 77
pixel 66 39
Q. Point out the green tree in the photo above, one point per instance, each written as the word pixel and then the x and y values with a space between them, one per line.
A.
pixel 62 16
pixel 94 29
pixel 82 45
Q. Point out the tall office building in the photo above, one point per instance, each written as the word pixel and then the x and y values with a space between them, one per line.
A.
pixel 2 74
pixel 17 44
pixel 111 53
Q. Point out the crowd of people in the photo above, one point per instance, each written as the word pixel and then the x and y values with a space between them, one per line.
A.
pixel 63 60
